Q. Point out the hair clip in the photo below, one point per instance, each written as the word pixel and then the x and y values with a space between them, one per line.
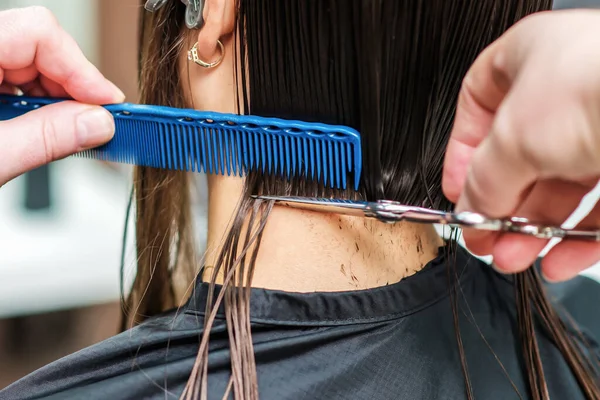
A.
pixel 392 212
pixel 193 11
pixel 154 5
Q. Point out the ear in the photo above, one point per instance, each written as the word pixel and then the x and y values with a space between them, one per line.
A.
pixel 219 21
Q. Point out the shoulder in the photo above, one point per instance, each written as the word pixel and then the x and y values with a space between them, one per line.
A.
pixel 577 300
pixel 124 366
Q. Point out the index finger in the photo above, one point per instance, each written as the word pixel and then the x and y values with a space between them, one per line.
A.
pixel 32 36
pixel 481 94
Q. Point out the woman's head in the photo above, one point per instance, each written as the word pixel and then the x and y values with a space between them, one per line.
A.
pixel 391 69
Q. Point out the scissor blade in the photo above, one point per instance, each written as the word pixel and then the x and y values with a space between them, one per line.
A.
pixel 320 205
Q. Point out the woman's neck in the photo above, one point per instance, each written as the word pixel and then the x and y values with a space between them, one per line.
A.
pixel 304 251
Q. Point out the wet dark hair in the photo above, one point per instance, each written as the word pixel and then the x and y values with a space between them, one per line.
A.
pixel 391 69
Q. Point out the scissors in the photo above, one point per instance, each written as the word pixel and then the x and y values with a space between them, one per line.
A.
pixel 392 212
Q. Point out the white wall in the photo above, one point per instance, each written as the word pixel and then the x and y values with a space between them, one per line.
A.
pixel 576 3
pixel 69 256
pixel 78 17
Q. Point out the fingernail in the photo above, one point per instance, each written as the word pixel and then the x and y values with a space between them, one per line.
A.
pixel 94 127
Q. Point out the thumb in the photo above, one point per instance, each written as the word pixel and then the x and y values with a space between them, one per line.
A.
pixel 51 133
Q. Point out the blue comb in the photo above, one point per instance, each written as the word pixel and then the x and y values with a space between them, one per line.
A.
pixel 215 143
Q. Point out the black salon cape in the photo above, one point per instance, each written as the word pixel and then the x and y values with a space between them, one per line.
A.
pixel 394 342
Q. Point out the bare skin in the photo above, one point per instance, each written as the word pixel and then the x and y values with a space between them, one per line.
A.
pixel 306 251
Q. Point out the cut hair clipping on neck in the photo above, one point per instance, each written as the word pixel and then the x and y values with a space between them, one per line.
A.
pixel 193 11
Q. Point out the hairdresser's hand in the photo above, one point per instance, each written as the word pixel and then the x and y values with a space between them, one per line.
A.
pixel 39 58
pixel 526 140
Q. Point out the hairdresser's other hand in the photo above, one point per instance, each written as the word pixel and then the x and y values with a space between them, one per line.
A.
pixel 526 140
pixel 39 58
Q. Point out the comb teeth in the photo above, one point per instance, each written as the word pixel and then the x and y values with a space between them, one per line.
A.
pixel 232 145
pixel 221 145
pixel 226 144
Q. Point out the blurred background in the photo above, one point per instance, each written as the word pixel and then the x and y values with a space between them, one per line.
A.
pixel 61 226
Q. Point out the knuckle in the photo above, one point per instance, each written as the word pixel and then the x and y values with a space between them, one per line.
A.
pixel 589 117
pixel 41 15
pixel 49 140
pixel 466 96
pixel 512 138
pixel 505 133
pixel 483 189
pixel 27 18
pixel 587 148
pixel 42 21
pixel 475 189
pixel 529 149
